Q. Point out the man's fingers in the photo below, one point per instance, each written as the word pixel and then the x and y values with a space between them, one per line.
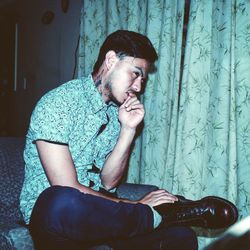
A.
pixel 131 101
pixel 135 106
pixel 125 102
pixel 164 198
pixel 159 197
pixel 163 192
pixel 159 202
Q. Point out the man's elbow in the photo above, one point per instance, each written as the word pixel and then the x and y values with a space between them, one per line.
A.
pixel 108 185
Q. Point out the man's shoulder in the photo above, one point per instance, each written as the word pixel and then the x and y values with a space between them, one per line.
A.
pixel 71 90
pixel 72 86
pixel 77 84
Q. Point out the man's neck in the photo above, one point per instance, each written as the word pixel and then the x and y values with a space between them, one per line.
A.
pixel 99 83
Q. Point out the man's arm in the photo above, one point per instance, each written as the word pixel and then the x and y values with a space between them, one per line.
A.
pixel 59 167
pixel 131 113
pixel 60 170
pixel 116 163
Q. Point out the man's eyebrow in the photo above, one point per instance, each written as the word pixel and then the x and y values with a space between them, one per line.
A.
pixel 141 71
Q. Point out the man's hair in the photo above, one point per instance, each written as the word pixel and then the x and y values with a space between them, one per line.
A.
pixel 127 43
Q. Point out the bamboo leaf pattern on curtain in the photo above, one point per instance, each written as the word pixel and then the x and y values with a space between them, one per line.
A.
pixel 213 141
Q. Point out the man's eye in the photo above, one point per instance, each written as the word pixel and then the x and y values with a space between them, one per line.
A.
pixel 136 74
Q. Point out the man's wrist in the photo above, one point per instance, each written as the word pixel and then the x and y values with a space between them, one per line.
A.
pixel 128 130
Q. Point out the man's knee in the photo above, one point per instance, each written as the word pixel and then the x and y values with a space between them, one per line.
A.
pixel 54 217
pixel 53 205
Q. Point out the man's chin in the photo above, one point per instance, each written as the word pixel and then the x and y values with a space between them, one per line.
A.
pixel 117 102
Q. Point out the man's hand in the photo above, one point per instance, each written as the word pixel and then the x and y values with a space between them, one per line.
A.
pixel 131 112
pixel 158 197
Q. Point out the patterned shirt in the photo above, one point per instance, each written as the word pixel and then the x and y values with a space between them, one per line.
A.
pixel 73 114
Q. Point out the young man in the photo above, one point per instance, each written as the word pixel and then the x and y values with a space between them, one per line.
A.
pixel 78 144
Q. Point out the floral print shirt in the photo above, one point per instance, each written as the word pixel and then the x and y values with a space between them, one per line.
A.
pixel 73 114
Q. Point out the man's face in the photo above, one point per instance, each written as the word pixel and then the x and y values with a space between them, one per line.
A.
pixel 126 79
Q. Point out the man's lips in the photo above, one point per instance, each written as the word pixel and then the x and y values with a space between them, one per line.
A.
pixel 131 94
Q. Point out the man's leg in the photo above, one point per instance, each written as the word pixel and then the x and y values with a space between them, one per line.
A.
pixel 64 217
pixel 162 238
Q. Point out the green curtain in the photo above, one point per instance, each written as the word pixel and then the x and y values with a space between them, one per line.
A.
pixel 211 154
pixel 196 133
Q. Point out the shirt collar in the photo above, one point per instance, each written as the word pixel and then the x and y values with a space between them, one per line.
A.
pixel 94 97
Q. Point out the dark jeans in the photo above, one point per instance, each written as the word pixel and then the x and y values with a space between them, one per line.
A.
pixel 64 218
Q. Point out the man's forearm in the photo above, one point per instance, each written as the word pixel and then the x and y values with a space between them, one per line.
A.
pixel 116 163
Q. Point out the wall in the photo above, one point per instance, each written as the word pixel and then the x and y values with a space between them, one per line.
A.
pixel 48 50
pixel 45 55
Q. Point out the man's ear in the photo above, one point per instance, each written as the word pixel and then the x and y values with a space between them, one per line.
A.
pixel 110 59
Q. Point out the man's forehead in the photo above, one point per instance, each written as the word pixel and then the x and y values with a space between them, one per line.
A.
pixel 135 59
pixel 138 63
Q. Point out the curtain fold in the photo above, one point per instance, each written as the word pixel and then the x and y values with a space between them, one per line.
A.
pixel 195 138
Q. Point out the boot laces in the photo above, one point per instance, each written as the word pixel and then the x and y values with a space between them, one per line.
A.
pixel 188 213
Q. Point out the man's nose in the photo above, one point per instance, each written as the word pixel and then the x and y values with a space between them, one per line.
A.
pixel 137 85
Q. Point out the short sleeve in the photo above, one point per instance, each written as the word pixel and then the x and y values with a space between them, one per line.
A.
pixel 50 119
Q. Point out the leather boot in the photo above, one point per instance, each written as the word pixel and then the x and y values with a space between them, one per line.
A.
pixel 210 212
